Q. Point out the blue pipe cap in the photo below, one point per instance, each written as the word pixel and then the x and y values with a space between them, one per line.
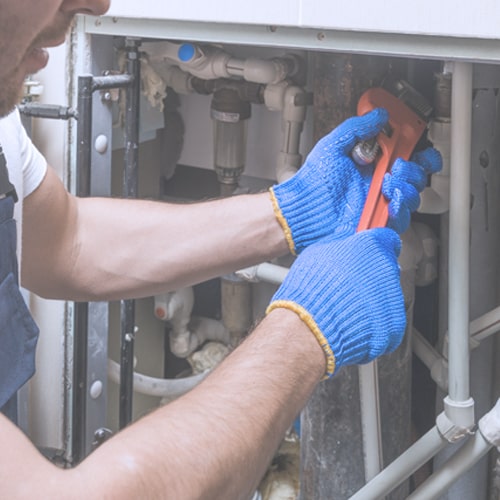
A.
pixel 186 52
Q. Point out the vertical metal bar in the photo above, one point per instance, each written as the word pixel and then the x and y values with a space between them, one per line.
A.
pixel 130 189
pixel 80 337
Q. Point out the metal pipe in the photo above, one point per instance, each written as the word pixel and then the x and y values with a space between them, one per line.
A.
pixel 459 252
pixel 405 465
pixel 49 111
pixel 130 190
pixel 472 451
pixel 108 82
pixel 80 328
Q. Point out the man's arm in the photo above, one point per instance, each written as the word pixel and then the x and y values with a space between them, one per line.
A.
pixel 106 249
pixel 215 442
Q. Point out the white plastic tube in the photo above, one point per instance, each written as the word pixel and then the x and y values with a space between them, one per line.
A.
pixel 270 273
pixel 158 387
pixel 370 419
pixel 459 251
pixel 471 452
pixel 291 100
pixel 405 465
pixel 486 325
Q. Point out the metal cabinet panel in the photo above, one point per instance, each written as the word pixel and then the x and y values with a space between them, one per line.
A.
pixel 480 19
pixel 285 12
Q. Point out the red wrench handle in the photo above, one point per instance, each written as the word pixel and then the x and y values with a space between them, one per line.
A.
pixel 405 130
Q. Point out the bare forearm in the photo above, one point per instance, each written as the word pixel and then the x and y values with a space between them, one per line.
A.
pixel 106 249
pixel 218 440
pixel 215 442
pixel 156 246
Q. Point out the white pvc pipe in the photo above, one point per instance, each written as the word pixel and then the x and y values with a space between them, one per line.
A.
pixel 158 387
pixel 485 325
pixel 270 273
pixel 294 115
pixel 405 465
pixel 370 419
pixel 459 253
pixel 473 450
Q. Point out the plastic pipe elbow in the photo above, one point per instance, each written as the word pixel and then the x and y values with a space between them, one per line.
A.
pixel 210 63
pixel 176 307
pixel 264 71
pixel 178 80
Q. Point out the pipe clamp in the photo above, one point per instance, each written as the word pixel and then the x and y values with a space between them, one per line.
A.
pixel 457 420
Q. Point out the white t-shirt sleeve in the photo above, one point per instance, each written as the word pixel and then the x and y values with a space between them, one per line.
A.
pixel 26 165
pixel 34 165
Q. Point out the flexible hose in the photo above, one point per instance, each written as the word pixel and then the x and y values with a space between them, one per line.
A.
pixel 151 386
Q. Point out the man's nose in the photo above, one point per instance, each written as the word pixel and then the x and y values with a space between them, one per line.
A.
pixel 91 7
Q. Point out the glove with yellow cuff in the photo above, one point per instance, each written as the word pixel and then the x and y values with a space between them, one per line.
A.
pixel 348 293
pixel 326 196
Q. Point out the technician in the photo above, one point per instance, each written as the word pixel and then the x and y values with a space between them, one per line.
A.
pixel 340 304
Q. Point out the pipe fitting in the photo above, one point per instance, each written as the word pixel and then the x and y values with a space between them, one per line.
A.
pixel 259 70
pixel 431 358
pixel 208 62
pixel 188 333
pixel 457 420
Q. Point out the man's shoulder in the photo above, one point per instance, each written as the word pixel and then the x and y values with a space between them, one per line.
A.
pixel 10 125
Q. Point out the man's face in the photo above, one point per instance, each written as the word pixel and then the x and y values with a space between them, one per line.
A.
pixel 27 27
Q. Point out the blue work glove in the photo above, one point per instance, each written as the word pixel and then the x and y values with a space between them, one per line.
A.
pixel 348 293
pixel 327 195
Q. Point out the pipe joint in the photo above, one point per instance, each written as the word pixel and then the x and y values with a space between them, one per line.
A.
pixel 457 420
